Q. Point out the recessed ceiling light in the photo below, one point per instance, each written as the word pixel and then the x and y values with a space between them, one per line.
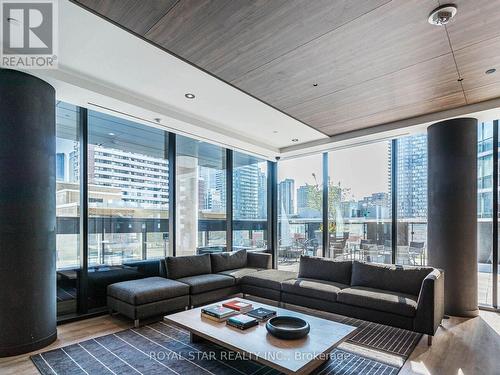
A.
pixel 295 139
pixel 315 84
pixel 490 71
pixel 190 96
pixel 442 14
pixel 111 134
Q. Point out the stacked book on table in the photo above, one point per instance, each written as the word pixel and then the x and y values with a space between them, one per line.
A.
pixel 217 313
pixel 261 314
pixel 240 306
pixel 233 313
pixel 241 321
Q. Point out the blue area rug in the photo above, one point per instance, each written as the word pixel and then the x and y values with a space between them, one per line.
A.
pixel 161 348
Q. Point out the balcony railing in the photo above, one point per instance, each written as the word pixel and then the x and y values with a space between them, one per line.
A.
pixel 368 240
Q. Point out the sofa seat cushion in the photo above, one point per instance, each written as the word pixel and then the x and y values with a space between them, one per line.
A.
pixel 325 290
pixel 148 290
pixel 238 273
pixel 381 300
pixel 270 279
pixel 207 282
pixel 228 260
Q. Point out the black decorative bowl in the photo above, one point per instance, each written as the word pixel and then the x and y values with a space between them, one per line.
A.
pixel 287 327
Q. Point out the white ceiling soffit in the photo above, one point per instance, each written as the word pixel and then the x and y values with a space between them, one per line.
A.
pixel 488 110
pixel 101 63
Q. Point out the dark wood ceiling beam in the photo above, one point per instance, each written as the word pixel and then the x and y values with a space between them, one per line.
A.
pixel 231 38
pixel 135 15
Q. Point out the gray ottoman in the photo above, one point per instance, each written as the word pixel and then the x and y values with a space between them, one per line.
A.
pixel 146 298
pixel 266 283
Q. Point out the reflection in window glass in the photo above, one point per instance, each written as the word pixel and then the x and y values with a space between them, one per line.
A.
pixel 360 203
pixel 249 202
pixel 67 207
pixel 300 200
pixel 201 197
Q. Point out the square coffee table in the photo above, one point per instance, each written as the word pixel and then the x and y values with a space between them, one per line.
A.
pixel 289 356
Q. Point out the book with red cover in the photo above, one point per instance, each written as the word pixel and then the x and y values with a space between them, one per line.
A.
pixel 237 305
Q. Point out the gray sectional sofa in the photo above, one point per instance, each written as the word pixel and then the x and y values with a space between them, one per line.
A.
pixel 213 277
pixel 402 296
pixel 184 282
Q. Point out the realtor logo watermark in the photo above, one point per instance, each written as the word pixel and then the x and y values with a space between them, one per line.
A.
pixel 29 34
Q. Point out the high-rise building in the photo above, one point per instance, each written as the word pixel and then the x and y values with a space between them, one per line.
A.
pixel 376 206
pixel 218 192
pixel 246 192
pixel 302 198
pixel 142 179
pixel 412 177
pixel 485 170
pixel 286 196
pixel 60 166
pixel 74 169
pixel 262 194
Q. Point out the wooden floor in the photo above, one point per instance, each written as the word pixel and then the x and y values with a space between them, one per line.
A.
pixel 67 334
pixel 461 347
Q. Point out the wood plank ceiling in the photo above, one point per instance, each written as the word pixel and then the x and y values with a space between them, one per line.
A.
pixel 337 65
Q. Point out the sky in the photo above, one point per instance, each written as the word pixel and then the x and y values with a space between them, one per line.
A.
pixel 363 169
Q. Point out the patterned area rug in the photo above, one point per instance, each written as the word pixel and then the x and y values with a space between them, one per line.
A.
pixel 161 348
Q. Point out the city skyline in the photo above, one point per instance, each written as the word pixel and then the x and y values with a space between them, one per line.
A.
pixel 140 179
pixel 411 180
pixel 342 163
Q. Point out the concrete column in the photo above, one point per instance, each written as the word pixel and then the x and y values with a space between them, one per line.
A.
pixel 27 213
pixel 452 211
pixel 187 205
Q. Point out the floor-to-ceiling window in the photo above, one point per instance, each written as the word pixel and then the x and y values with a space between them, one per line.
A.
pixel 128 202
pixel 200 197
pixel 360 203
pixel 300 209
pixel 496 267
pixel 485 212
pixel 67 207
pixel 411 193
pixel 249 202
pixel 127 199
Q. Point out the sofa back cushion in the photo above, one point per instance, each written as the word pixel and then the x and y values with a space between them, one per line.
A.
pixel 228 260
pixel 185 266
pixel 325 269
pixel 396 278
pixel 149 268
